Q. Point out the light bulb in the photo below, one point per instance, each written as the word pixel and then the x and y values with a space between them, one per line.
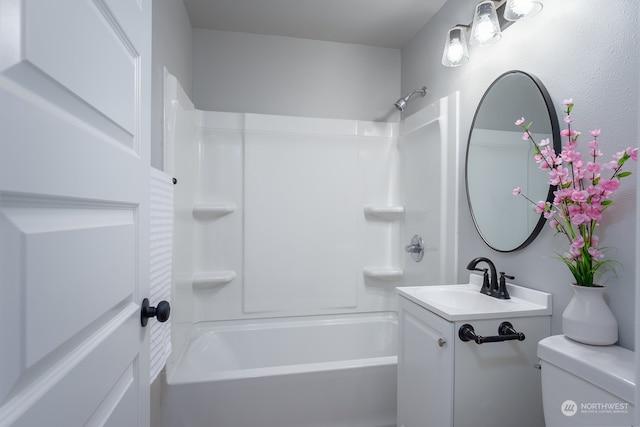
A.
pixel 455 52
pixel 455 48
pixel 485 29
pixel 518 9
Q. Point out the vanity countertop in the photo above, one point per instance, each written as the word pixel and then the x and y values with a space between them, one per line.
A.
pixel 458 302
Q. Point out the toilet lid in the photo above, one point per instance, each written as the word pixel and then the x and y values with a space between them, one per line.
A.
pixel 611 367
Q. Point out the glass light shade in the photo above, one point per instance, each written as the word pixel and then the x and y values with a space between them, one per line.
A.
pixel 485 29
pixel 455 48
pixel 518 9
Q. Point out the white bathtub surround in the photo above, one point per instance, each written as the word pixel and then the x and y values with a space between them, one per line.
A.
pixel 161 235
pixel 429 148
pixel 288 252
pixel 281 216
pixel 286 372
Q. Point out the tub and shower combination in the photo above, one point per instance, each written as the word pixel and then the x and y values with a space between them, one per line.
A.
pixel 274 323
pixel 286 372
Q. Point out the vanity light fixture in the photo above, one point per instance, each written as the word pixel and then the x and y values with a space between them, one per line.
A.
pixel 485 29
pixel 489 21
pixel 455 52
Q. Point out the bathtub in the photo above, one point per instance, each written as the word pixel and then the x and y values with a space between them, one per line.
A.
pixel 329 371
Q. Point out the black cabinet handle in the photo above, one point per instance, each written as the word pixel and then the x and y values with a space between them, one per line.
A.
pixel 505 333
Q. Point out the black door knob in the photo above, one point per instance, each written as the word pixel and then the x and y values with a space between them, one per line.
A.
pixel 161 312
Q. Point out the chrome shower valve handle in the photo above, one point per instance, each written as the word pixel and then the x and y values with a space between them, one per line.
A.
pixel 415 248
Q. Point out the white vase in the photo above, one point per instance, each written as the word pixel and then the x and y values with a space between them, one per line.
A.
pixel 588 319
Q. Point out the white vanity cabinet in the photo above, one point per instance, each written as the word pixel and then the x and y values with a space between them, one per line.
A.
pixel 425 367
pixel 444 381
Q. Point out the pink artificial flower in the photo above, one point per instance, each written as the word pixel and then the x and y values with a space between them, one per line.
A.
pixel 613 165
pixel 581 193
pixel 578 175
pixel 570 145
pixel 561 195
pixel 594 152
pixel 578 242
pixel 576 246
pixel 570 156
pixel 575 252
pixel 569 132
pixel 541 206
pixel 579 219
pixel 593 168
pixel 575 211
pixel 558 175
pixel 592 190
pixel 547 150
pixel 609 184
pixel 525 136
pixel 593 212
pixel 596 254
pixel 579 196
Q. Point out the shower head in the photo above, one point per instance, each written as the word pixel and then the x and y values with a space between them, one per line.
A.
pixel 401 103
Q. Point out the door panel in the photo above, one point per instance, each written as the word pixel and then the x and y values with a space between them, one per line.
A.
pixel 87 252
pixel 74 178
pixel 77 67
pixel 56 395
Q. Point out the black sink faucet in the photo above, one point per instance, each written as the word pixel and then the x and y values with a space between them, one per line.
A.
pixel 489 286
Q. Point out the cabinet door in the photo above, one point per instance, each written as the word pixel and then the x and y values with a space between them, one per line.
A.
pixel 425 368
pixel 496 384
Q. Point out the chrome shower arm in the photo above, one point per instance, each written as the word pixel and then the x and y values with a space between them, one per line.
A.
pixel 401 103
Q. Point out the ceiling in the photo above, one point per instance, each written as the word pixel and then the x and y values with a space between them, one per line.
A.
pixel 384 23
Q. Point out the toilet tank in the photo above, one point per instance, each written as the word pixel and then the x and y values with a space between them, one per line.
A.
pixel 584 385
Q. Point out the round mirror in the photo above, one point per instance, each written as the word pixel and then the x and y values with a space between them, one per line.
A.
pixel 499 160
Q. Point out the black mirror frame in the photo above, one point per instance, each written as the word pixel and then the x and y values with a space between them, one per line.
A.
pixel 557 146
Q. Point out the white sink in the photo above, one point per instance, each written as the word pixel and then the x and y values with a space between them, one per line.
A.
pixel 465 302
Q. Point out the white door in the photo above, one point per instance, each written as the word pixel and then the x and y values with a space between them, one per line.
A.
pixel 74 177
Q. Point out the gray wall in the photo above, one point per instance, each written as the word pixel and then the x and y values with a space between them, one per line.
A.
pixel 171 49
pixel 584 49
pixel 576 52
pixel 240 72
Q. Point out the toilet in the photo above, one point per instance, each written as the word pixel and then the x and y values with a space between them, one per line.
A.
pixel 584 385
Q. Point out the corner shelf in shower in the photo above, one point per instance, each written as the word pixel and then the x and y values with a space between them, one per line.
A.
pixel 388 213
pixel 212 279
pixel 387 274
pixel 213 210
